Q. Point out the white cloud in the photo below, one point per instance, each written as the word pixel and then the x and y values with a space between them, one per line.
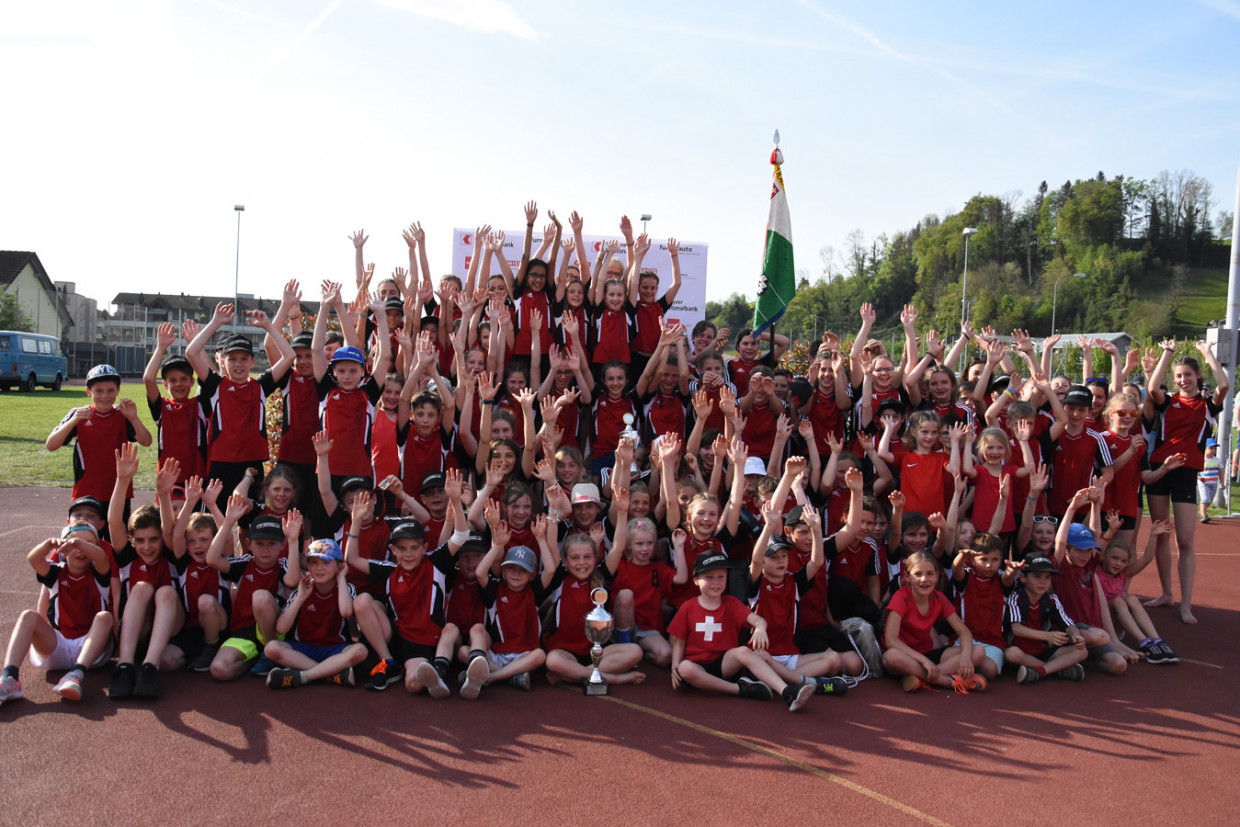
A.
pixel 490 16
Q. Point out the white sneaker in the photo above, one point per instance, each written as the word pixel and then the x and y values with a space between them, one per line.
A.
pixel 10 689
pixel 476 675
pixel 428 676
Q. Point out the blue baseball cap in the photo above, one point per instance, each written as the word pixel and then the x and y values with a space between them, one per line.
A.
pixel 101 373
pixel 324 550
pixel 522 557
pixel 348 353
pixel 1081 537
pixel 1211 443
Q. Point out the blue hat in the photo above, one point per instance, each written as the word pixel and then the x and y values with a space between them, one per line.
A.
pixel 100 373
pixel 1211 443
pixel 324 550
pixel 1081 537
pixel 348 354
pixel 522 557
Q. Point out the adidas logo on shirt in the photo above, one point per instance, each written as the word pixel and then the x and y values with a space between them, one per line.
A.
pixel 310 608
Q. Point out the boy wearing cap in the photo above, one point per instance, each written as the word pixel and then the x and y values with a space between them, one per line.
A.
pixel 507 646
pixel 347 391
pixel 405 624
pixel 373 530
pixel 99 428
pixel 300 420
pixel 1042 640
pixel 1207 480
pixel 75 633
pixel 235 404
pixel 1076 452
pixel 259 577
pixel 178 416
pixel 1079 588
pixel 315 622
pixel 706 650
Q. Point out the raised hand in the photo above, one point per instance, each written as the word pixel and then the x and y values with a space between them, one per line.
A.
pixel 359 239
pixel 531 212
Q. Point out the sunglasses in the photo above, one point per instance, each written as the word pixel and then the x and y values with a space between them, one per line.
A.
pixel 1125 414
pixel 1046 518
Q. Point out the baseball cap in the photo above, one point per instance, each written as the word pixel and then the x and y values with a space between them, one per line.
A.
pixel 348 353
pixel 100 373
pixel 586 492
pixel 522 557
pixel 326 549
pixel 795 516
pixel 1211 442
pixel 1079 395
pixel 755 465
pixel 89 502
pixel 356 484
pixel 710 562
pixel 1081 537
pixel 435 479
pixel 266 527
pixel 776 545
pixel 408 530
pixel 302 340
pixel 237 342
pixel 476 542
pixel 394 304
pixel 893 403
pixel 1040 563
pixel 998 383
pixel 175 362
pixel 68 531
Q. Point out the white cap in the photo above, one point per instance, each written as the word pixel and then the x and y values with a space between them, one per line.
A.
pixel 755 465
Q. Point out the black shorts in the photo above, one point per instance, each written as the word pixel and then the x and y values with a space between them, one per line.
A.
pixel 231 473
pixel 1127 523
pixel 811 641
pixel 584 660
pixel 936 655
pixel 404 651
pixel 713 667
pixel 189 640
pixel 1179 484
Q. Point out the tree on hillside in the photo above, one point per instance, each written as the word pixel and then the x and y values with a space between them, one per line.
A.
pixel 11 315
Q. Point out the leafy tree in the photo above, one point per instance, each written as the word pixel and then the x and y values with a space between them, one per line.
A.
pixel 11 315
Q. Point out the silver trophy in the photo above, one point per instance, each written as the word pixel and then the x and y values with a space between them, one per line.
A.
pixel 629 432
pixel 599 626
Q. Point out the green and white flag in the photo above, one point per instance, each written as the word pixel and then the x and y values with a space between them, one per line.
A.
pixel 778 283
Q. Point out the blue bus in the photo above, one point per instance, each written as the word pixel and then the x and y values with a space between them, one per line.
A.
pixel 28 360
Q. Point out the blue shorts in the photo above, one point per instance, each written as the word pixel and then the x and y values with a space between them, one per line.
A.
pixel 318 654
pixel 993 652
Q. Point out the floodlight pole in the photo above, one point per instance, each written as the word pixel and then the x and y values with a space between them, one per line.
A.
pixel 240 208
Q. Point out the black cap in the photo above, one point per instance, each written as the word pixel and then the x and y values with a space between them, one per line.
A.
pixel 435 479
pixel 302 340
pixel 711 562
pixel 237 342
pixel 175 362
pixel 430 320
pixel 795 516
pixel 892 403
pixel 776 545
pixel 266 527
pixel 91 502
pixel 408 530
pixel 998 383
pixel 1040 563
pixel 476 542
pixel 394 304
pixel 356 484
pixel 801 390
pixel 1079 395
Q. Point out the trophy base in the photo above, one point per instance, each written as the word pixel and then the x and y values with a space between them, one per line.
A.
pixel 595 688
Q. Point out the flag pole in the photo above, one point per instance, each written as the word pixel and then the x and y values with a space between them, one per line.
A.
pixel 777 284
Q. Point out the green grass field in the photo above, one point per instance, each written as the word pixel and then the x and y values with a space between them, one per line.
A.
pixel 27 418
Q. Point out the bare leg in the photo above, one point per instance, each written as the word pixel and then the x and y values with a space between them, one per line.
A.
pixel 169 618
pixel 658 650
pixel 1160 509
pixel 1185 528
pixel 32 629
pixel 265 612
pixel 374 623
pixel 1140 618
pixel 743 657
pixel 697 677
pixel 211 617
pixel 528 662
pixel 97 639
pixel 135 620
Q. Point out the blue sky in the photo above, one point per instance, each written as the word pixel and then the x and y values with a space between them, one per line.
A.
pixel 135 127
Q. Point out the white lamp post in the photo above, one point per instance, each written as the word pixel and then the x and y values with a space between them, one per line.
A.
pixel 240 208
pixel 1055 297
pixel 964 287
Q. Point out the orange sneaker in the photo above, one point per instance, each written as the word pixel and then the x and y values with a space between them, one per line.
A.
pixel 911 683
pixel 963 686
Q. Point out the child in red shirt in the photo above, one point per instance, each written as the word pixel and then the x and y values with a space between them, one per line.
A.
pixel 182 430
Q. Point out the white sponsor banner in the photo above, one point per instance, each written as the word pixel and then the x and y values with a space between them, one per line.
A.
pixel 689 307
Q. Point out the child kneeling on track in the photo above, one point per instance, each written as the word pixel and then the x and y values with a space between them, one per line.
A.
pixel 706 650
pixel 911 616
pixel 76 633
pixel 983 593
pixel 260 576
pixel 316 621
pixel 507 647
pixel 408 630
pixel 1043 641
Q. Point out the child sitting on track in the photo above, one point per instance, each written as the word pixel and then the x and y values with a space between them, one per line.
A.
pixel 1043 641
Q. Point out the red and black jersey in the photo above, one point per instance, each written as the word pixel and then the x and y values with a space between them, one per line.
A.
pixel 193 580
pixel 1185 424
pixel 465 607
pixel 759 433
pixel 1124 492
pixel 527 301
pixel 319 622
pixel 1042 422
pixel 416 597
pixel 348 417
pixel 609 421
pixel 182 434
pixel 827 419
pixel 648 324
pixel 132 570
pixel 709 633
pixel 94 455
pixel 694 549
pixel 650 584
pixel 665 413
pixel 75 599
pixel 420 455
pixel 249 578
pixel 612 334
pixel 777 603
pixel 738 372
pixel 1074 460
pixel 570 605
pixel 981 608
pixel 372 544
pixel 986 498
pixel 1045 616
pixel 857 563
pixel 812 611
pixel 384 450
pixel 582 314
pixel 1074 586
pixel 715 419
pixel 512 617
pixel 301 418
pixel 569 421
pixel 237 417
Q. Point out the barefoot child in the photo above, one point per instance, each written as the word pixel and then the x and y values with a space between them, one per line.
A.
pixel 76 633
pixel 706 650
